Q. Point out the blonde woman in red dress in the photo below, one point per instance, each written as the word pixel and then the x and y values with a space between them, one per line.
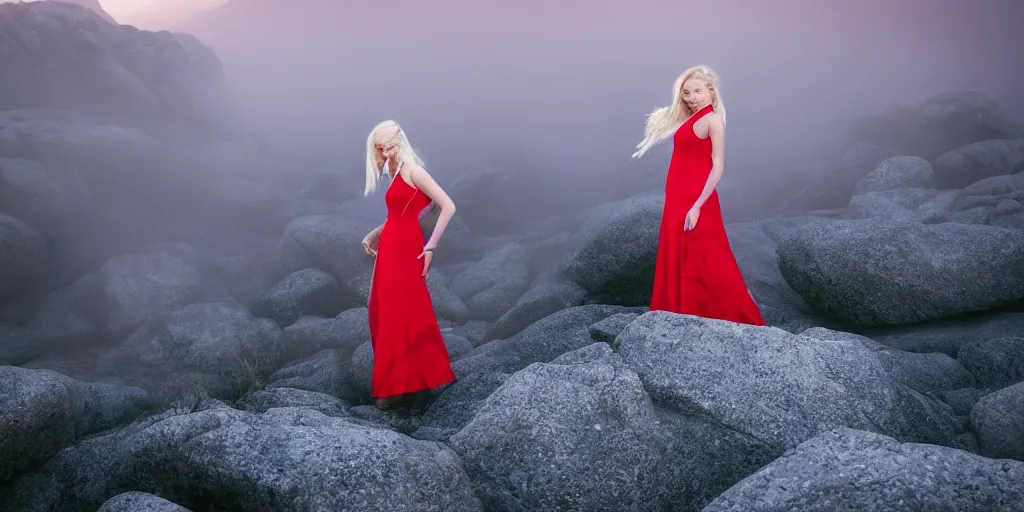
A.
pixel 695 271
pixel 409 354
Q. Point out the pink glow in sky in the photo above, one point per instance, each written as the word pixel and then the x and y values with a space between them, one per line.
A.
pixel 155 14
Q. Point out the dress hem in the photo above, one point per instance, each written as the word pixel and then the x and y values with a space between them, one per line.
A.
pixel 428 388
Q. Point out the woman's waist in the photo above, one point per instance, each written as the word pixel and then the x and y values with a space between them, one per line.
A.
pixel 402 227
pixel 399 218
pixel 687 179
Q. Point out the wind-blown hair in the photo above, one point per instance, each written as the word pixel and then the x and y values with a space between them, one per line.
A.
pixel 664 121
pixel 386 132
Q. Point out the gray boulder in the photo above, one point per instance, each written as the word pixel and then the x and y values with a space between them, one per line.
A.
pixel 932 126
pixel 996 362
pixel 897 172
pixel 998 422
pixel 332 244
pixel 42 412
pixel 922 372
pixel 223 350
pixel 534 442
pixel 903 204
pixel 134 501
pixel 775 387
pixel 881 272
pixel 288 458
pixel 304 292
pixel 491 286
pixel 996 201
pixel 977 161
pixel 612 254
pixel 851 469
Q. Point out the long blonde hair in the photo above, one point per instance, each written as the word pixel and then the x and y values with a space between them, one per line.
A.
pixel 385 132
pixel 664 121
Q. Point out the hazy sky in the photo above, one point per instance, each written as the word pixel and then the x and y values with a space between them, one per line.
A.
pixel 561 87
pixel 156 14
pixel 118 8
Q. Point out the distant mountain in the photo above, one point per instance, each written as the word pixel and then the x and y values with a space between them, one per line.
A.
pixel 93 5
pixel 77 62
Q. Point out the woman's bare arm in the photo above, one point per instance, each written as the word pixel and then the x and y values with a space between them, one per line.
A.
pixel 716 131
pixel 423 181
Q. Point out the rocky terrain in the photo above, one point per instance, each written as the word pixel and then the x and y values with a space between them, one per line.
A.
pixel 183 324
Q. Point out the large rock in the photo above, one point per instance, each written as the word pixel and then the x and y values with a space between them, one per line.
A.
pixel 980 160
pixel 776 388
pixel 996 362
pixel 542 299
pixel 112 181
pixel 28 192
pixel 534 442
pixel 332 244
pixel 612 255
pixel 756 257
pixel 850 469
pixel 905 204
pixel 998 422
pixel 491 201
pixel 325 372
pixel 922 372
pixel 934 125
pixel 222 349
pixel 996 201
pixel 881 272
pixel 948 336
pixel 134 288
pixel 304 292
pixel 88 64
pixel 834 184
pixel 42 412
pixel 491 286
pixel 457 405
pixel 92 5
pixel 61 138
pixel 345 332
pixel 289 458
pixel 540 342
pixel 897 172
pixel 134 501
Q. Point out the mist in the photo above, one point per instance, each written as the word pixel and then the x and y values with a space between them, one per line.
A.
pixel 557 92
pixel 187 258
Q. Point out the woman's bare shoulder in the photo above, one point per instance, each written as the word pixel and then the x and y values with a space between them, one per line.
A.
pixel 412 172
pixel 713 117
pixel 413 168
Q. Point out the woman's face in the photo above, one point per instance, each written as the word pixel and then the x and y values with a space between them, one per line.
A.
pixel 696 94
pixel 385 151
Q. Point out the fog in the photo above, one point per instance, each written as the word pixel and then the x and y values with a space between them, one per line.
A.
pixel 559 90
pixel 182 252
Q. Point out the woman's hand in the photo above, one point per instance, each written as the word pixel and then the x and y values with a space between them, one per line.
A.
pixel 428 256
pixel 370 243
pixel 691 218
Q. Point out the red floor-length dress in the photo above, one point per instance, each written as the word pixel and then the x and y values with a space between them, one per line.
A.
pixel 696 272
pixel 409 353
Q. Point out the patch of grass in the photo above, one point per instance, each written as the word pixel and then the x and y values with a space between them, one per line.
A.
pixel 248 379
pixel 190 398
